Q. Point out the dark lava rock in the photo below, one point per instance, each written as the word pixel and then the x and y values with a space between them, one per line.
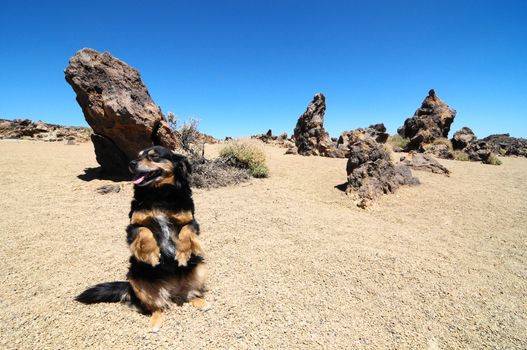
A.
pixel 506 145
pixel 310 137
pixel 370 171
pixel 377 132
pixel 462 138
pixel 479 151
pixel 431 121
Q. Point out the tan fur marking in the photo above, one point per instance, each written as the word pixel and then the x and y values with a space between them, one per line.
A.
pixel 142 217
pixel 182 217
pixel 169 180
pixel 168 169
pixel 187 242
pixel 144 247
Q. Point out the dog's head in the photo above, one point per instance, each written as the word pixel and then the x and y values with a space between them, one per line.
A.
pixel 156 166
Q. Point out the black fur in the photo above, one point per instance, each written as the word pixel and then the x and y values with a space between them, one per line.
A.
pixel 109 292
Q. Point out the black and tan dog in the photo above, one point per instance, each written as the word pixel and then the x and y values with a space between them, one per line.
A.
pixel 167 259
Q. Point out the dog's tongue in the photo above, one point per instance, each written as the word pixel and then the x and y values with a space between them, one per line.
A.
pixel 138 180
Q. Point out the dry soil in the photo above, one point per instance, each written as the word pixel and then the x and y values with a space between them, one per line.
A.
pixel 293 263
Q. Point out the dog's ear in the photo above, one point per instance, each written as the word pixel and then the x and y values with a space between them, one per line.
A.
pixel 182 169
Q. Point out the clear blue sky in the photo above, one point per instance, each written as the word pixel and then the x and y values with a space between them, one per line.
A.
pixel 245 66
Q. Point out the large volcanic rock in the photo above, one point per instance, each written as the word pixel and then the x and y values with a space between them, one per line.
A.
pixel 430 122
pixel 462 138
pixel 506 145
pixel 118 107
pixel 370 171
pixel 310 136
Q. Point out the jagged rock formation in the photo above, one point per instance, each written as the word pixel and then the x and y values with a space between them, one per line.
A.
pixel 26 129
pixel 310 137
pixel 421 161
pixel 371 173
pixel 479 151
pixel 462 138
pixel 377 132
pixel 431 121
pixel 506 145
pixel 118 107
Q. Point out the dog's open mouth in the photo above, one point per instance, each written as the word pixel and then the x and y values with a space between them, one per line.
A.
pixel 143 178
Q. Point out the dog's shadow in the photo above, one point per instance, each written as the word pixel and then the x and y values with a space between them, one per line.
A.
pixel 97 173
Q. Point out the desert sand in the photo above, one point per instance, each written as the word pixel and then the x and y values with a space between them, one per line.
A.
pixel 292 262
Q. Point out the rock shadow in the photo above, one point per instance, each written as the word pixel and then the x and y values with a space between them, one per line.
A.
pixel 97 173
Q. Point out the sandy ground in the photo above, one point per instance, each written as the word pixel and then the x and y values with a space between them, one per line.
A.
pixel 293 264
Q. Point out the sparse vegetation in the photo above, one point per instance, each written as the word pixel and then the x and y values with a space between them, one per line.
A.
pixel 191 139
pixel 389 149
pixel 460 155
pixel 216 173
pixel 443 141
pixel 493 160
pixel 205 173
pixel 246 155
pixel 398 141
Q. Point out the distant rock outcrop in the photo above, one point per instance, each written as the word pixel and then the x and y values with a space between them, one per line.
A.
pixel 280 140
pixel 26 129
pixel 310 137
pixel 485 150
pixel 462 138
pixel 431 121
pixel 506 145
pixel 371 173
pixel 118 107
pixel 421 161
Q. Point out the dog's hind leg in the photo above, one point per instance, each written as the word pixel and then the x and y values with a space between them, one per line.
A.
pixel 200 304
pixel 155 321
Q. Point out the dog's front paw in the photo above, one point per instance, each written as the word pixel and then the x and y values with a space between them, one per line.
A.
pixel 145 248
pixel 182 257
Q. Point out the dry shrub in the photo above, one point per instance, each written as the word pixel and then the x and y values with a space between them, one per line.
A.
pixel 493 160
pixel 398 141
pixel 389 150
pixel 246 155
pixel 460 155
pixel 192 141
pixel 216 173
pixel 443 141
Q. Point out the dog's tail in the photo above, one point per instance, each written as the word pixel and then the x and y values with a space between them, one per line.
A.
pixel 109 292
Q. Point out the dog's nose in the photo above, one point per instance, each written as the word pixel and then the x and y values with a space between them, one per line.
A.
pixel 133 164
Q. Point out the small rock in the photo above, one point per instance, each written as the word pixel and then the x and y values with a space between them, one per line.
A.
pixel 108 189
pixel 420 161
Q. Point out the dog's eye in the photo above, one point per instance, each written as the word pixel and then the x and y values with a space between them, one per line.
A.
pixel 154 157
